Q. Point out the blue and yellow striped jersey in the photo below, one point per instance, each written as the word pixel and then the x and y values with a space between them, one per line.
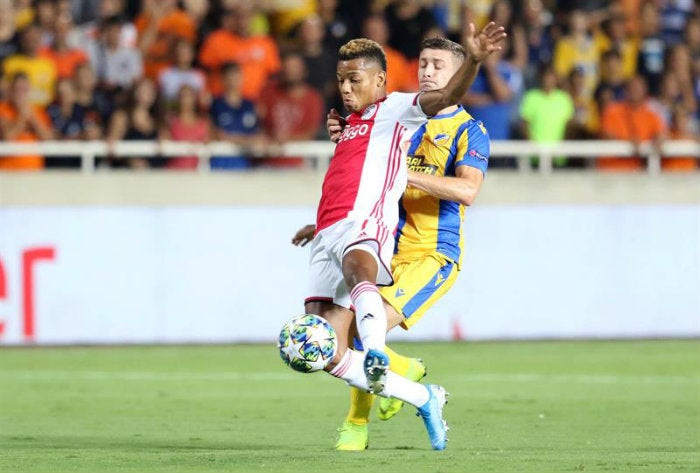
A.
pixel 426 223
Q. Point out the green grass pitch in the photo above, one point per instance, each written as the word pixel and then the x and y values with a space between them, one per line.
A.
pixel 526 406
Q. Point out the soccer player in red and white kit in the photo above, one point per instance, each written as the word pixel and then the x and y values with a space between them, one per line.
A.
pixel 358 213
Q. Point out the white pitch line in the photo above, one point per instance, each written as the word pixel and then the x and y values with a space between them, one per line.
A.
pixel 16 375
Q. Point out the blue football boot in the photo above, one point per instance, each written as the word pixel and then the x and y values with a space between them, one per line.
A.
pixel 431 412
pixel 376 366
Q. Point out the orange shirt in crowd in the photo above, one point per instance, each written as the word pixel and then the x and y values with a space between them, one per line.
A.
pixel 172 27
pixel 680 163
pixel 22 163
pixel 620 121
pixel 66 62
pixel 257 56
pixel 397 72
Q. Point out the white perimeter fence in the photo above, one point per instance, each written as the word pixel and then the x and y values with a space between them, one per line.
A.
pixel 321 151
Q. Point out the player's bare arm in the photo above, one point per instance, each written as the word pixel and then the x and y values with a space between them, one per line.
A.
pixel 463 188
pixel 479 47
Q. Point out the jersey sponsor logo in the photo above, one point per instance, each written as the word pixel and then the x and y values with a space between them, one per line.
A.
pixel 354 131
pixel 417 163
pixel 475 154
pixel 399 292
pixel 440 137
pixel 369 111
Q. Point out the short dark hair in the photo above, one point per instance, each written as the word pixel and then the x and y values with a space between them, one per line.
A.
pixel 230 67
pixel 446 45
pixel 113 20
pixel 363 48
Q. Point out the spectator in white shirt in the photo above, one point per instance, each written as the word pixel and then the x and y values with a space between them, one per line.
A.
pixel 117 66
pixel 182 73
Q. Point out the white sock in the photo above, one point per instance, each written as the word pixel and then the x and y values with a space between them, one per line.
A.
pixel 369 315
pixel 350 369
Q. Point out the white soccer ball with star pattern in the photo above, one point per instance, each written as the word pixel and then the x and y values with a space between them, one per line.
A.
pixel 307 343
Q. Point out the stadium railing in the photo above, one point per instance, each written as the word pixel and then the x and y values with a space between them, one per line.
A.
pixel 320 152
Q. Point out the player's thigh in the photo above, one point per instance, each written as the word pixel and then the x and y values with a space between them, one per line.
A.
pixel 419 284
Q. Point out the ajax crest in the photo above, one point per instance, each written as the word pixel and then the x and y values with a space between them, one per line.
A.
pixel 369 111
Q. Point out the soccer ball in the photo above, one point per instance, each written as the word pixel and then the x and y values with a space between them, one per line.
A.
pixel 307 343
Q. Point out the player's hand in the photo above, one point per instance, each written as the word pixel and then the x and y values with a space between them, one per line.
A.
pixel 304 235
pixel 480 46
pixel 335 125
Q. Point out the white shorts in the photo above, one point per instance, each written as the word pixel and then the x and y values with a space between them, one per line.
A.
pixel 332 243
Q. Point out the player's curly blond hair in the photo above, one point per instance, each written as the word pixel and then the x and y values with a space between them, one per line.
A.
pixel 363 48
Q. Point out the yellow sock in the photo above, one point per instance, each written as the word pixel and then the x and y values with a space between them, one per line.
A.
pixel 360 405
pixel 398 363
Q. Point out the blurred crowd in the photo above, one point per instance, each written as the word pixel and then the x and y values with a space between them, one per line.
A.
pixel 262 73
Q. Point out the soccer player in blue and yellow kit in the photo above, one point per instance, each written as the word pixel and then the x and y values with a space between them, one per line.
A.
pixel 447 161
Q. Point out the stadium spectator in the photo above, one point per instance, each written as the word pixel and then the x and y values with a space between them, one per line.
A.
pixel 586 121
pixel 257 56
pixel 577 50
pixel 286 16
pixel 516 42
pixel 670 96
pixel 339 28
pixel 546 112
pixel 318 57
pixel 477 12
pixel 65 57
pixel 683 127
pixel 23 121
pixel 40 70
pixel 198 11
pixel 692 40
pixel 9 38
pixel 611 74
pixel 24 14
pixel 70 122
pixel 613 37
pixel 491 99
pixel 631 120
pixel 674 15
pixel 138 121
pixel 117 66
pixel 652 48
pixel 85 11
pixel 537 22
pixel 631 12
pixel 160 24
pixel 97 103
pixel 87 34
pixel 679 61
pixel 173 78
pixel 186 124
pixel 45 16
pixel 408 22
pixel 399 75
pixel 291 110
pixel 234 119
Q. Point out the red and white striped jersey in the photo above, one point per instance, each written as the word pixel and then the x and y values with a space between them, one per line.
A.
pixel 368 173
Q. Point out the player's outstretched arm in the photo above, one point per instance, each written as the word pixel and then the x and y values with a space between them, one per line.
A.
pixel 478 46
pixel 463 188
